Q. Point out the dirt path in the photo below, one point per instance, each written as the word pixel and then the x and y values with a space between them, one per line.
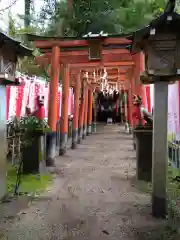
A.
pixel 92 196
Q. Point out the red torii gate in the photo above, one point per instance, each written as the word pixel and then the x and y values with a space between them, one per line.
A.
pixel 73 53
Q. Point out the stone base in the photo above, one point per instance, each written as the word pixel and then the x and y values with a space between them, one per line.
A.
pixel 74 138
pixel 84 132
pixel 50 149
pixel 143 143
pixel 63 142
pixel 50 162
pixel 74 145
pixel 89 130
pixel 62 151
pixel 159 207
pixel 80 135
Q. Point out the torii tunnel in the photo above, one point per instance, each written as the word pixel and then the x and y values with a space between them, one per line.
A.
pixel 82 63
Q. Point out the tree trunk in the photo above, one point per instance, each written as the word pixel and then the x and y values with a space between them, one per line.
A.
pixel 27 13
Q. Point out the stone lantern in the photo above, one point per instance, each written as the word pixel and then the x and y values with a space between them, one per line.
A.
pixel 160 41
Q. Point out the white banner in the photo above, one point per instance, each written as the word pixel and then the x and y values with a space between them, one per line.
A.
pixel 173 107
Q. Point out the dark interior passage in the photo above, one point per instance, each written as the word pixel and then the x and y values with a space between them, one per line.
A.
pixel 110 105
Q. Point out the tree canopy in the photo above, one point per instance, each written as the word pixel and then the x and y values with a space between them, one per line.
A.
pixel 78 17
pixel 111 16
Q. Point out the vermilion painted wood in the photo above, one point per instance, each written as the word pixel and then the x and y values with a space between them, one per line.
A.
pixel 77 43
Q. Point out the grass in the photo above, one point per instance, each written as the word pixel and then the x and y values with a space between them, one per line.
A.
pixel 29 183
pixel 171 230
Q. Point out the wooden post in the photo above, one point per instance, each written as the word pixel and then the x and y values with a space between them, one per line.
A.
pixel 159 164
pixel 127 122
pixel 64 111
pixel 85 112
pixel 90 108
pixel 81 113
pixel 76 112
pixel 130 108
pixel 52 113
pixel 95 112
pixel 138 69
pixel 121 104
pixel 53 108
pixel 132 91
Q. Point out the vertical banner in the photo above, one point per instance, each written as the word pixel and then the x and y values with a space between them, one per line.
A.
pixel 25 97
pixel 178 100
pixel 69 103
pixel 31 96
pixel 152 95
pixel 148 97
pixel 60 105
pixel 18 98
pixel 46 99
pixel 12 102
pixel 20 90
pixel 173 108
pixel 72 103
pixel 8 91
pixel 170 110
pixel 36 93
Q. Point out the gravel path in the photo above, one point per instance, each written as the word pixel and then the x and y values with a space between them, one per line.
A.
pixel 92 197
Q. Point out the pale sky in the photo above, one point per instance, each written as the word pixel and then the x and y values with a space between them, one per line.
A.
pixel 17 8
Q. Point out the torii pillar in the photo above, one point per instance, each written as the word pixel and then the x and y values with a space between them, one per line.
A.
pixel 85 111
pixel 76 111
pixel 137 87
pixel 64 110
pixel 139 60
pixel 52 113
pixel 90 109
pixel 81 112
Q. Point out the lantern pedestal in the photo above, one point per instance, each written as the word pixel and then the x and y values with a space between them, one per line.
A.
pixel 80 135
pixel 50 148
pixel 33 155
pixel 63 143
pixel 160 146
pixel 143 139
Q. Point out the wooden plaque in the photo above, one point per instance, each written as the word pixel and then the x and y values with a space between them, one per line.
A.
pixel 94 49
pixel 9 67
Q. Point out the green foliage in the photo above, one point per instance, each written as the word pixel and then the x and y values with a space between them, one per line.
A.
pixel 27 65
pixel 12 28
pixel 31 124
pixel 112 16
pixel 30 127
pixel 58 19
pixel 138 14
